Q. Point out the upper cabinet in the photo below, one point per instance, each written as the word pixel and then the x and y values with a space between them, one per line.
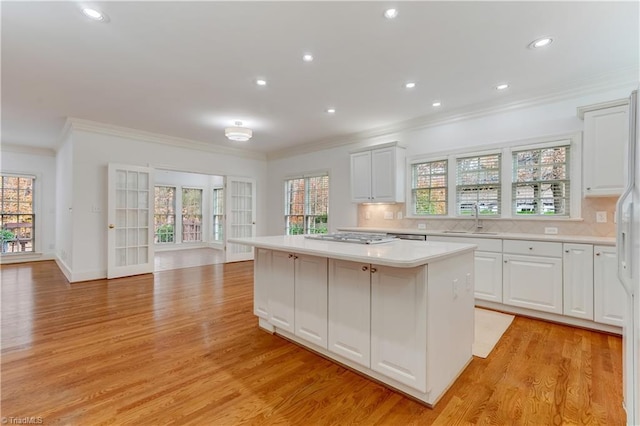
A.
pixel 377 174
pixel 606 132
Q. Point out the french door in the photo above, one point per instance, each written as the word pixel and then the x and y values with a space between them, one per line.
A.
pixel 130 221
pixel 241 216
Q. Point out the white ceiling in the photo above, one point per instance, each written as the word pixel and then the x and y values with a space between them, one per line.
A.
pixel 188 69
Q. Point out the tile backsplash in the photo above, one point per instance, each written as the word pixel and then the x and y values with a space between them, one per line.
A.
pixel 392 216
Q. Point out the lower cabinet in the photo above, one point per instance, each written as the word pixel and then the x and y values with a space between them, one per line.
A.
pixel 533 282
pixel 290 291
pixel 350 310
pixel 488 285
pixel 311 299
pixel 577 260
pixel 399 324
pixel 609 295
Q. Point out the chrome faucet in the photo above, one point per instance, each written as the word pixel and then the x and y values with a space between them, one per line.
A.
pixel 476 215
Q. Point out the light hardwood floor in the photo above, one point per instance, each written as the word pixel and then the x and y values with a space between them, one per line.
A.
pixel 183 347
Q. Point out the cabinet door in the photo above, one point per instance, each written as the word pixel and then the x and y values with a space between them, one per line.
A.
pixel 610 299
pixel 383 175
pixel 578 280
pixel 361 177
pixel 311 299
pixel 398 324
pixel 606 132
pixel 349 310
pixel 533 282
pixel 488 274
pixel 281 291
pixel 261 279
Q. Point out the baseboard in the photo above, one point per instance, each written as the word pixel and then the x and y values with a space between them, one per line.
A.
pixel 66 271
pixel 26 257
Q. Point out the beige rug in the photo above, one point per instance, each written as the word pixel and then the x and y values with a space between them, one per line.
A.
pixel 489 327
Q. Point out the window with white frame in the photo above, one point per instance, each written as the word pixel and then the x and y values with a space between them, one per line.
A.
pixel 429 188
pixel 164 217
pixel 478 185
pixel 306 205
pixel 541 183
pixel 218 214
pixel 191 214
pixel 18 219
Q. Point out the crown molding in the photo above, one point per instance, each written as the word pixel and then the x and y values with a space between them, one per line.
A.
pixel 627 77
pixel 141 135
pixel 31 150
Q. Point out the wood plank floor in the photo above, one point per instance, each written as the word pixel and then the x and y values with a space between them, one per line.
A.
pixel 182 347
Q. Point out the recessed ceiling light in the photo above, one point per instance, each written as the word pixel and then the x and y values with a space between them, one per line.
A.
pixel 94 14
pixel 307 57
pixel 436 103
pixel 261 82
pixel 410 85
pixel 390 13
pixel 331 110
pixel 502 86
pixel 541 42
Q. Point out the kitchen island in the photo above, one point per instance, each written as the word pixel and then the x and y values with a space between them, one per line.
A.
pixel 400 312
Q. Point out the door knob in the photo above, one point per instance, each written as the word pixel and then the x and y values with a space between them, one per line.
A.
pixel 111 226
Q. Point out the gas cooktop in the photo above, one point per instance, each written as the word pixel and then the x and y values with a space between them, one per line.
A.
pixel 353 237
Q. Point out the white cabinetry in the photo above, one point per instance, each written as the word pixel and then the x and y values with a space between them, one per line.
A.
pixel 311 299
pixel 610 297
pixel 377 175
pixel 488 265
pixel 606 131
pixel 349 310
pixel 532 275
pixel 280 292
pixel 399 324
pixel 578 280
pixel 290 291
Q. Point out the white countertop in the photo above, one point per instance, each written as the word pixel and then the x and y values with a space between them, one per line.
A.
pixel 399 254
pixel 580 239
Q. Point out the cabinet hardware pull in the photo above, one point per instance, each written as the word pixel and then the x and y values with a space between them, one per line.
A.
pixel 597 254
pixel 530 248
pixel 364 268
pixel 589 189
pixel 295 257
pixel 566 251
pixel 290 255
pixel 374 270
pixel 505 261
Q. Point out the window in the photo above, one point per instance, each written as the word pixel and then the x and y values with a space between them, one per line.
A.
pixel 429 188
pixel 17 216
pixel 218 213
pixel 541 182
pixel 191 214
pixel 478 184
pixel 164 217
pixel 306 205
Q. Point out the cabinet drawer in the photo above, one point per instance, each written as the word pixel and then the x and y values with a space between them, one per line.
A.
pixel 535 248
pixel 484 244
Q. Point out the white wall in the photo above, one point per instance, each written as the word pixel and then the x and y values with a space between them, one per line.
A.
pixel 92 152
pixel 64 206
pixel 41 164
pixel 552 118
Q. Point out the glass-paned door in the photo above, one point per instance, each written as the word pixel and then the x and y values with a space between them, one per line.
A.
pixel 130 229
pixel 241 222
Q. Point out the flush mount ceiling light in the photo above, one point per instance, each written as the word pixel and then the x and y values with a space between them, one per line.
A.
pixel 541 42
pixel 436 103
pixel 238 133
pixel 410 85
pixel 502 86
pixel 390 13
pixel 307 57
pixel 331 110
pixel 261 82
pixel 95 14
